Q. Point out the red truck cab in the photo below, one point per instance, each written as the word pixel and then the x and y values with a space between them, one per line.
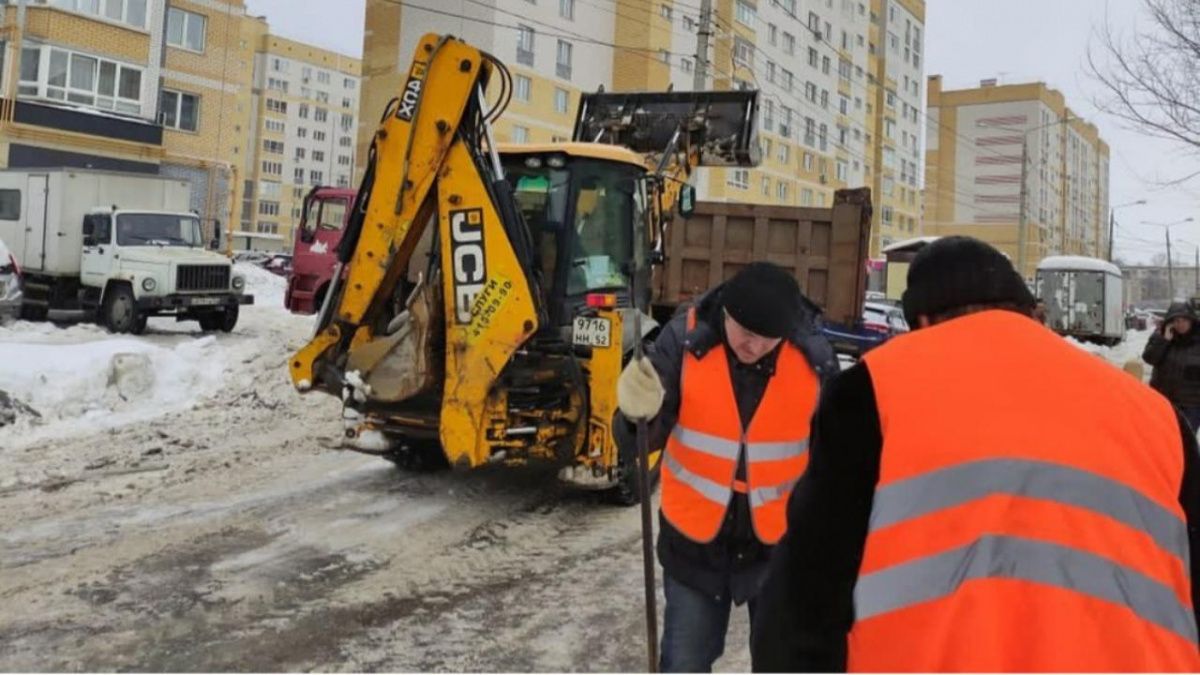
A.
pixel 314 258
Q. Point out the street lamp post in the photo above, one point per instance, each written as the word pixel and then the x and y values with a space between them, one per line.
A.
pixel 1170 269
pixel 1112 223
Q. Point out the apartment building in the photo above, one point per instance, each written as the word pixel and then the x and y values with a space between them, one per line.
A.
pixel 1012 164
pixel 146 86
pixel 841 81
pixel 305 102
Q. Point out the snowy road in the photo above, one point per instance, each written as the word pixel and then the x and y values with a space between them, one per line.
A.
pixel 145 530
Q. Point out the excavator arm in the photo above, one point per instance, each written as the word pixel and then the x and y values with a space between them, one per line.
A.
pixel 378 339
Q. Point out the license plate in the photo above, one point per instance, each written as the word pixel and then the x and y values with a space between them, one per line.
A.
pixel 592 332
pixel 206 301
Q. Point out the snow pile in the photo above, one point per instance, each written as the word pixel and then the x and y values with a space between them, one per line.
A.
pixel 106 382
pixel 1130 348
pixel 267 288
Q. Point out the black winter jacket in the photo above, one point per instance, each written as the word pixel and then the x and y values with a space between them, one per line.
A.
pixel 733 564
pixel 1176 364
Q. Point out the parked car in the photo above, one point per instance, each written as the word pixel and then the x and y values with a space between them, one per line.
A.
pixel 10 284
pixel 880 322
pixel 279 263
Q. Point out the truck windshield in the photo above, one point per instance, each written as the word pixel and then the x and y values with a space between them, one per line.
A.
pixel 327 214
pixel 591 207
pixel 158 229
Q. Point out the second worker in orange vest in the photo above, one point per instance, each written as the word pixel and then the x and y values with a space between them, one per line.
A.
pixel 737 377
pixel 984 496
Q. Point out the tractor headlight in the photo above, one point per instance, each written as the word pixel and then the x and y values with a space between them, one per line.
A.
pixel 149 284
pixel 239 283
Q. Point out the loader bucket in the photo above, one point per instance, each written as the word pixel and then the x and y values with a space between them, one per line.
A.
pixel 721 125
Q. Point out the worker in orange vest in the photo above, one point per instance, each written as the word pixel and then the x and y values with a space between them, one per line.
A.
pixel 728 388
pixel 983 496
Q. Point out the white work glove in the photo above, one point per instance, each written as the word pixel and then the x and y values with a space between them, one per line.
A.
pixel 639 392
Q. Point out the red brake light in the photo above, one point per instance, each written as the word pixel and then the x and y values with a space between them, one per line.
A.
pixel 601 300
pixel 877 327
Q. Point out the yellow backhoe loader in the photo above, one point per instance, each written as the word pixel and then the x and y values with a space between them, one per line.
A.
pixel 484 298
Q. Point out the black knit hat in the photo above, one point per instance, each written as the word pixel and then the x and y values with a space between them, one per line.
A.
pixel 1179 310
pixel 954 272
pixel 764 298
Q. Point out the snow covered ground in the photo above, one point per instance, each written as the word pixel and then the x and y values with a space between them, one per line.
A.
pixel 79 378
pixel 1129 349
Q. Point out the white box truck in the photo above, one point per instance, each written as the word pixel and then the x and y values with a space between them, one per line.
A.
pixel 123 246
pixel 1083 298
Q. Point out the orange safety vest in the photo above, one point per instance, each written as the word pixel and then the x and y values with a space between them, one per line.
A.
pixel 700 463
pixel 1026 516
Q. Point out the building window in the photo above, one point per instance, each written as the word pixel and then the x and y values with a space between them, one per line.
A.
pixel 743 52
pixel 279 65
pixel 343 160
pixel 10 204
pixel 315 177
pixel 566 9
pixel 562 66
pixel 79 78
pixel 784 153
pixel 298 176
pixel 276 106
pixel 323 77
pixel 349 83
pixel 320 115
pixel 789 43
pixel 766 186
pixel 562 100
pixel 318 156
pixel 665 12
pixel 745 14
pixel 268 208
pixel 185 29
pixel 343 181
pixel 522 86
pixel 273 147
pixel 520 134
pixel 344 141
pixel 277 84
pixel 301 154
pixel 347 102
pixel 129 12
pixel 318 135
pixel 806 197
pixel 302 132
pixel 178 110
pixel 267 228
pixel 525 45
pixel 813 58
pixel 781 190
pixel 738 178
pixel 347 122
pixel 273 168
pixel 772 34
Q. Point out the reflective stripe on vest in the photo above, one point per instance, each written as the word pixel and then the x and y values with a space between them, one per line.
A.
pixel 1026 515
pixel 700 462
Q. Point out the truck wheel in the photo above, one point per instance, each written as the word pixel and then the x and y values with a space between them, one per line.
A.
pixel 119 311
pixel 139 326
pixel 419 457
pixel 228 319
pixel 34 312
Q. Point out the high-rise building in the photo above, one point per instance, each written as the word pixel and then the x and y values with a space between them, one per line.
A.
pixel 840 80
pixel 1011 164
pixel 306 102
pixel 146 86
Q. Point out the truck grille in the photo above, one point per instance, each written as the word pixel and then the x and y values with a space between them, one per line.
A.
pixel 202 278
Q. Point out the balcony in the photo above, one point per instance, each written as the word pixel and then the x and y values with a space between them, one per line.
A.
pixel 104 125
pixel 525 56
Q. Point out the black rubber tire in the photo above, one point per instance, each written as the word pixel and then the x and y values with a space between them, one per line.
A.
pixel 209 322
pixel 119 311
pixel 34 312
pixel 227 320
pixel 139 327
pixel 420 457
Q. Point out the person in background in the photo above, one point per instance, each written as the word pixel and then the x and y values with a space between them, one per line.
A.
pixel 1174 353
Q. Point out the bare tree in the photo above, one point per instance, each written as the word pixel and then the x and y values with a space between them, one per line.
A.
pixel 1152 77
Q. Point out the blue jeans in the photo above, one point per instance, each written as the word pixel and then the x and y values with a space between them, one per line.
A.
pixel 694 626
